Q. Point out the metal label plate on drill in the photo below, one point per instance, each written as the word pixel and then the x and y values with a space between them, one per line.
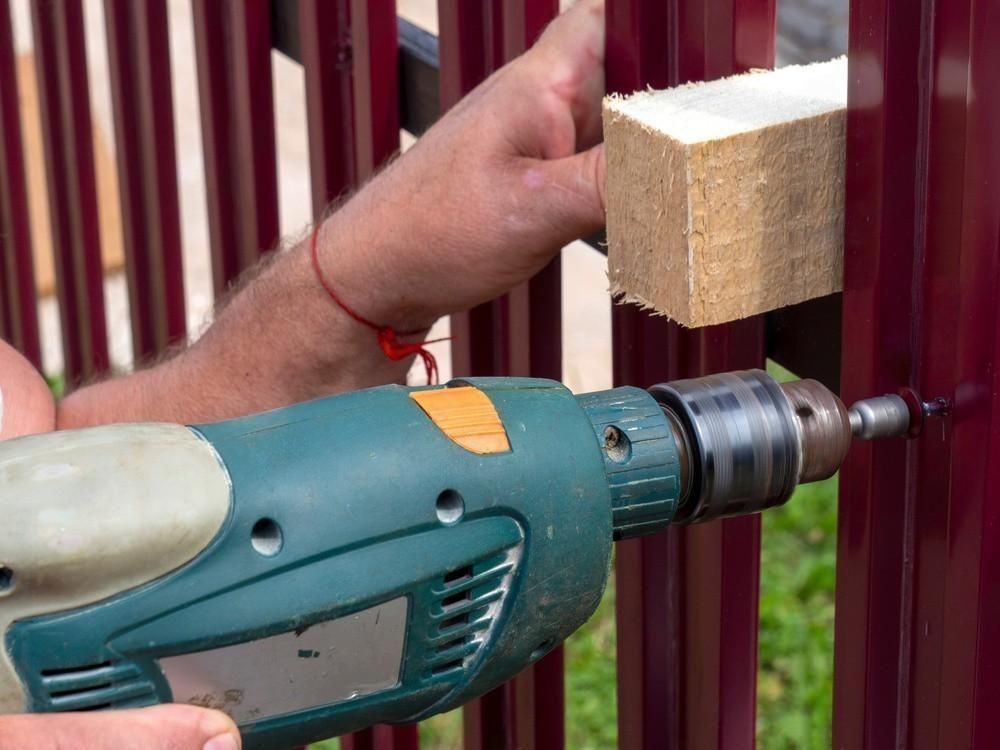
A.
pixel 329 662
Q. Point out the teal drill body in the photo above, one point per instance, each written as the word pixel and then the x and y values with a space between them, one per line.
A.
pixel 368 568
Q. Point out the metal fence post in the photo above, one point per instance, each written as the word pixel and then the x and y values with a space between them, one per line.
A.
pixel 327 61
pixel 233 48
pixel 139 63
pixel 917 621
pixel 18 299
pixel 64 104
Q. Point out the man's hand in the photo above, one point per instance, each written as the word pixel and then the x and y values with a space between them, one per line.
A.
pixel 167 727
pixel 483 201
pixel 490 194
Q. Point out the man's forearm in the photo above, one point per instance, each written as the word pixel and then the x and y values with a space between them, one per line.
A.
pixel 279 340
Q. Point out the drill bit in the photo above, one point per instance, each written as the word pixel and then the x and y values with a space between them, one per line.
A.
pixel 879 417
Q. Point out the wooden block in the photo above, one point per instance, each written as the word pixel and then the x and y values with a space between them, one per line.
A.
pixel 726 199
pixel 105 174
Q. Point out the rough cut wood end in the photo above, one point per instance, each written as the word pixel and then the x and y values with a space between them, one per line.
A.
pixel 726 199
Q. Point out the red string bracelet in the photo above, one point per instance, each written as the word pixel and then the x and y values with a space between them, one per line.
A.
pixel 388 339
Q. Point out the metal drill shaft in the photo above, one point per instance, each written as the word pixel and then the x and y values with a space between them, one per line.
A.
pixel 879 417
pixel 742 441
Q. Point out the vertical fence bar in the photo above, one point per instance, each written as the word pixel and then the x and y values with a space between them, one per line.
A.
pixel 18 299
pixel 233 49
pixel 139 63
pixel 916 613
pixel 382 738
pixel 64 104
pixel 350 55
pixel 519 334
pixel 687 599
pixel 878 284
pixel 376 82
pixel 325 44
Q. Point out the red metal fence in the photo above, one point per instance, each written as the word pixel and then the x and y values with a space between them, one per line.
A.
pixel 917 624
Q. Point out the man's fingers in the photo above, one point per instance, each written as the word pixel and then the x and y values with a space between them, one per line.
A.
pixel 571 55
pixel 167 727
pixel 580 28
pixel 571 193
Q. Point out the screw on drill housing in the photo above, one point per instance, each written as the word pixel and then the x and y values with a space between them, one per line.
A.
pixel 616 444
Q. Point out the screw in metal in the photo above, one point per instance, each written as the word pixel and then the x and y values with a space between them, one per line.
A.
pixel 936 407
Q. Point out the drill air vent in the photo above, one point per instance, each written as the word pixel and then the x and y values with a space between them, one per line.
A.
pixel 95 687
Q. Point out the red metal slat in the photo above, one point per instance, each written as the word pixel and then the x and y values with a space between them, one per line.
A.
pixel 233 46
pixel 325 42
pixel 18 303
pixel 717 38
pixel 350 56
pixel 687 599
pixel 917 618
pixel 139 62
pixel 519 334
pixel 877 311
pixel 964 663
pixel 376 80
pixel 64 104
pixel 383 738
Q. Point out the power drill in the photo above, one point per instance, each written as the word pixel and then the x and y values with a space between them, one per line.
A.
pixel 373 557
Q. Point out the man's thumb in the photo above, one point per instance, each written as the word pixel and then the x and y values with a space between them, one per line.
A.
pixel 170 726
pixel 577 192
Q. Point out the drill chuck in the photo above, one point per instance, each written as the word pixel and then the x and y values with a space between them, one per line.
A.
pixel 724 445
pixel 751 441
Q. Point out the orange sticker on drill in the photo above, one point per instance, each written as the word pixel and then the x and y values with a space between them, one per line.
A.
pixel 467 416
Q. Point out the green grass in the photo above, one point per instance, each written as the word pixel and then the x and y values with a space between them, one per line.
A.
pixel 57 384
pixel 798 566
pixel 591 700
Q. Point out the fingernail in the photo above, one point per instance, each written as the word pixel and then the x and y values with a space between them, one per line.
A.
pixel 222 742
